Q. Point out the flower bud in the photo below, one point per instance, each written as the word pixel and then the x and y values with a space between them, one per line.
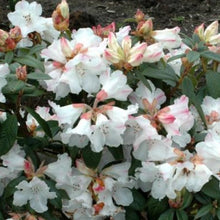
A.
pixel 139 16
pixel 21 73
pixel 15 34
pixel 61 16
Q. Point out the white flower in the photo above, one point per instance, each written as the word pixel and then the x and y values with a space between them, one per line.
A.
pixel 113 86
pixel 28 17
pixel 4 70
pixel 36 191
pixel 153 53
pixel 14 159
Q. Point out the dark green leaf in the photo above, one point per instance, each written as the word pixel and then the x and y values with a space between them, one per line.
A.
pixel 117 152
pixel 32 91
pixel 1 216
pixel 36 49
pixel 31 61
pixel 134 165
pixel 143 80
pixel 202 198
pixel 218 213
pixel 168 215
pixel 91 158
pixel 131 214
pixel 40 120
pixel 176 57
pixel 187 199
pixel 211 189
pixel 49 216
pixel 73 151
pixel 212 82
pixel 203 211
pixel 54 127
pixel 9 57
pixel 13 86
pixel 192 56
pixel 10 188
pixel 8 134
pixel 56 202
pixel 188 90
pixel 165 73
pixel 210 55
pixel 38 76
pixel 139 203
pixel 181 215
pixel 155 208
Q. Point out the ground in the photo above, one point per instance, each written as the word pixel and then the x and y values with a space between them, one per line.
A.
pixel 165 13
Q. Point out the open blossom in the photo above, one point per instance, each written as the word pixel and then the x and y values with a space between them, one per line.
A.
pixel 149 100
pixel 14 159
pixel 177 117
pixel 27 16
pixel 209 35
pixel 169 38
pixel 209 151
pixel 124 55
pixel 4 71
pixel 211 109
pixel 153 53
pixel 74 64
pixel 113 86
pixel 36 192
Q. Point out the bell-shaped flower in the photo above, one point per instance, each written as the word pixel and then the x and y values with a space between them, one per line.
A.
pixel 124 55
pixel 169 38
pixel 67 114
pixel 209 35
pixel 4 71
pixel 153 53
pixel 177 117
pixel 14 159
pixel 27 16
pixel 149 100
pixel 113 86
pixel 36 192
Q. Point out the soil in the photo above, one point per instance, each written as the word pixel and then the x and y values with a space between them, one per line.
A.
pixel 165 13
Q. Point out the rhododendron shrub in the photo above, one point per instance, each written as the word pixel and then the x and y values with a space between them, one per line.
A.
pixel 106 123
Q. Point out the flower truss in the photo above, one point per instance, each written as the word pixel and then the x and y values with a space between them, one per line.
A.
pixel 106 123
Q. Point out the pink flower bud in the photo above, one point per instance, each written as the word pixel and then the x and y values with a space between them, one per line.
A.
pixel 21 73
pixel 139 16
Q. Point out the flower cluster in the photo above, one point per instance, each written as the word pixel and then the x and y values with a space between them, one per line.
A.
pixel 100 123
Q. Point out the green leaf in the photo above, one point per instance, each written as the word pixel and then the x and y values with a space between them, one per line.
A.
pixel 36 49
pixel 9 57
pixel 192 56
pixel 212 82
pixel 218 213
pixel 187 199
pixel 155 208
pixel 10 188
pixel 139 203
pixel 31 61
pixel 13 86
pixel 210 55
pixel 143 80
pixel 91 158
pixel 168 215
pixel 54 127
pixel 8 133
pixel 32 91
pixel 1 216
pixel 49 216
pixel 131 214
pixel 40 120
pixel 188 90
pixel 203 211
pixel 56 202
pixel 211 189
pixel 181 215
pixel 176 57
pixel 163 72
pixel 117 152
pixel 73 152
pixel 202 198
pixel 38 76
